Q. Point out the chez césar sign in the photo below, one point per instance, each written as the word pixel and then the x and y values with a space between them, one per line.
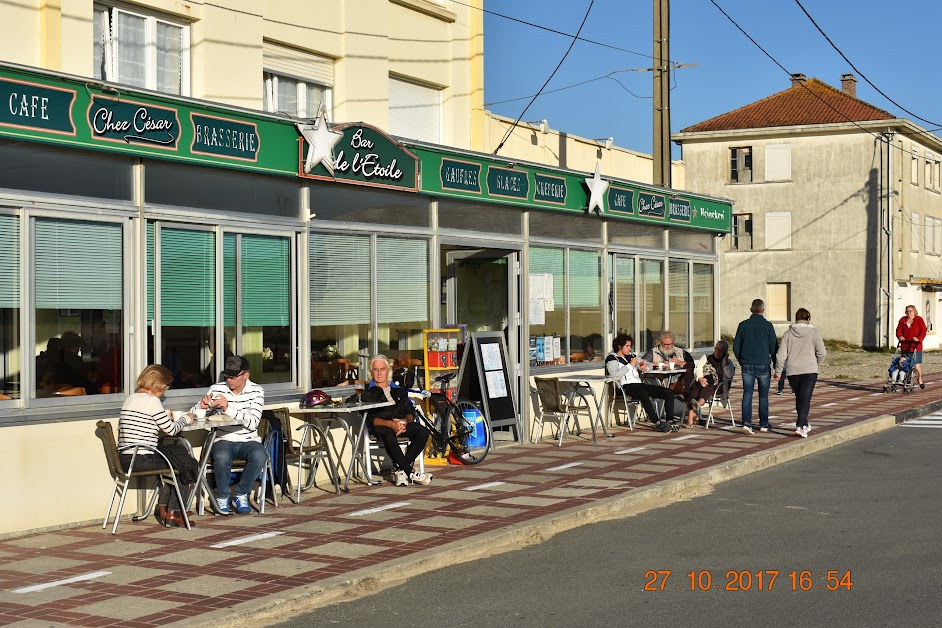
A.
pixel 364 155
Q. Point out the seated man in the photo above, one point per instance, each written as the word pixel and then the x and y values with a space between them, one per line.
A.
pixel 710 372
pixel 667 351
pixel 623 364
pixel 396 421
pixel 242 399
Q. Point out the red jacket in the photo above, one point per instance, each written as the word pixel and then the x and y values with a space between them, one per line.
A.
pixel 911 336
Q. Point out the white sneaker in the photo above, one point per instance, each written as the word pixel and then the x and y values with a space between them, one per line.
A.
pixel 746 429
pixel 806 429
pixel 763 429
pixel 800 432
pixel 420 478
pixel 400 478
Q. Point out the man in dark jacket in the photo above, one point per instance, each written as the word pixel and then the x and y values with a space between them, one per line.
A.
pixel 755 347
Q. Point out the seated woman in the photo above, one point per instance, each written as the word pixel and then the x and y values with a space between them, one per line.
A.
pixel 623 364
pixel 143 418
pixel 709 372
pixel 395 421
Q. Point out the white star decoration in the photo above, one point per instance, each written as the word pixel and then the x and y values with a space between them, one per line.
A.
pixel 320 144
pixel 597 188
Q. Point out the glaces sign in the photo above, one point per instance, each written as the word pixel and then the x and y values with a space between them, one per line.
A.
pixel 133 123
pixel 367 156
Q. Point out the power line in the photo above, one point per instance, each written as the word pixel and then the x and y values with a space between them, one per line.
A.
pixel 862 75
pixel 610 75
pixel 558 65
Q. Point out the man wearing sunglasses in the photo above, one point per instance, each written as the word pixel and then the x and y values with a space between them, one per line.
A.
pixel 242 399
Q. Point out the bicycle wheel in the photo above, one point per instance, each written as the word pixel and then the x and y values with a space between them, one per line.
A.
pixel 469 442
pixel 439 426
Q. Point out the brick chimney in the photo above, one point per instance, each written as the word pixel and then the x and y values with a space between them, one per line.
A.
pixel 797 78
pixel 849 85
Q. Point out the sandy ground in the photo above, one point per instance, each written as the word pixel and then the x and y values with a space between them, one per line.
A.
pixel 856 365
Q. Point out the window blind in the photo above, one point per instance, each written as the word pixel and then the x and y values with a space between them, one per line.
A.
pixel 415 111
pixel 625 293
pixel 229 279
pixel 402 280
pixel 549 261
pixel 306 66
pixel 778 230
pixel 187 278
pixel 585 278
pixel 339 267
pixel 266 281
pixel 78 265
pixel 150 272
pixel 9 262
pixel 778 162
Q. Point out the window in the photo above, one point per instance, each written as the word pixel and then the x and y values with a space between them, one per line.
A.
pixel 778 162
pixel 937 237
pixel 778 302
pixel 740 169
pixel 916 231
pixel 928 180
pixel 936 174
pixel 651 302
pixel 415 111
pixel 678 302
pixel 778 230
pixel 585 304
pixel 914 168
pixel 547 307
pixel 78 313
pixel 623 288
pixel 702 306
pixel 141 50
pixel 296 82
pixel 741 239
pixel 10 376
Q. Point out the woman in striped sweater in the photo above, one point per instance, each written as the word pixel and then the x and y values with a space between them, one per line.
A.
pixel 142 420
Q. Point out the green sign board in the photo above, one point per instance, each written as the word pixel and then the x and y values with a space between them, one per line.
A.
pixel 132 122
pixel 223 137
pixel 367 156
pixel 679 210
pixel 621 201
pixel 508 183
pixel 651 205
pixel 32 106
pixel 550 189
pixel 460 176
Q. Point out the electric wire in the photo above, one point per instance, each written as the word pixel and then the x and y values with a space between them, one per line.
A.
pixel 610 75
pixel 558 65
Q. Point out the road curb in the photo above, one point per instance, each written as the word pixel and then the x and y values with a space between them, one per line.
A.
pixel 372 579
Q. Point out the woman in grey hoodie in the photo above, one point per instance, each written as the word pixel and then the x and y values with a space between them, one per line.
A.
pixel 801 353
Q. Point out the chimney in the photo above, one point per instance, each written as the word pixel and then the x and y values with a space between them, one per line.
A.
pixel 849 85
pixel 797 78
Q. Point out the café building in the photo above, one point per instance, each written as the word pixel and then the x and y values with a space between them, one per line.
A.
pixel 137 228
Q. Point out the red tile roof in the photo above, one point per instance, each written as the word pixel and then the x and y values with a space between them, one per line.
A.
pixel 813 102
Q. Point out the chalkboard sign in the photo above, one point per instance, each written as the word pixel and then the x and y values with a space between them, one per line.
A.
pixel 484 377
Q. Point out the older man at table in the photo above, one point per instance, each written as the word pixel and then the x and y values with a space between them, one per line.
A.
pixel 622 364
pixel 666 351
pixel 242 399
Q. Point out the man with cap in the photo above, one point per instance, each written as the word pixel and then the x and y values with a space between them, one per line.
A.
pixel 242 399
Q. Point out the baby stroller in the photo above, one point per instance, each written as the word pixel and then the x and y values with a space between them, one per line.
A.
pixel 900 373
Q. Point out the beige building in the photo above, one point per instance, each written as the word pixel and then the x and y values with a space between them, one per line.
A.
pixel 823 184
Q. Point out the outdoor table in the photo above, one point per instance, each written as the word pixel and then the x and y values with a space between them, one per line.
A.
pixel 578 382
pixel 211 424
pixel 324 415
pixel 666 377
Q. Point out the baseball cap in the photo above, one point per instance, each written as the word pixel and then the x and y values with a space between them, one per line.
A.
pixel 235 364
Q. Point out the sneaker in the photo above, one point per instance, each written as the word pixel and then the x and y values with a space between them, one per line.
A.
pixel 222 505
pixel 400 478
pixel 420 478
pixel 806 429
pixel 764 429
pixel 241 503
pixel 746 429
pixel 800 433
pixel 780 392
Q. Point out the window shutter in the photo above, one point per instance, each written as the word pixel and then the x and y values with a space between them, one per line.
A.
pixel 415 111
pixel 777 307
pixel 229 280
pixel 585 276
pixel 306 66
pixel 187 278
pixel 9 262
pixel 778 230
pixel 778 162
pixel 339 267
pixel 401 280
pixel 78 265
pixel 549 261
pixel 266 281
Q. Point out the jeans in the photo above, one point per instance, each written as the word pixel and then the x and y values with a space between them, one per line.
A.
pixel 224 452
pixel 418 438
pixel 803 385
pixel 751 373
pixel 644 392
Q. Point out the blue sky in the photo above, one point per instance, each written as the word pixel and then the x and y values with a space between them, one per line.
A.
pixel 900 56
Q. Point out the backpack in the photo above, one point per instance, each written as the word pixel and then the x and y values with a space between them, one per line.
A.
pixel 276 449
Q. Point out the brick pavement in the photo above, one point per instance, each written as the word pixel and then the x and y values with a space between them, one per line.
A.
pixel 149 576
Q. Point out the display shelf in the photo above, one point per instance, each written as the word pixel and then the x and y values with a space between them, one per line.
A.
pixel 441 352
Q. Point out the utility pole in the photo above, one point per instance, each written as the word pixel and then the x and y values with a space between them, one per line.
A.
pixel 662 94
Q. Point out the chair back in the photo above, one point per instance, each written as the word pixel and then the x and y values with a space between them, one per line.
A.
pixel 282 416
pixel 105 432
pixel 547 389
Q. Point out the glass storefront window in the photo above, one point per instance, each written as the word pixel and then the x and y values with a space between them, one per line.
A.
pixel 472 217
pixel 679 302
pixel 402 304
pixel 546 310
pixel 650 302
pixel 623 280
pixel 10 376
pixel 351 204
pixel 689 240
pixel 78 308
pixel 80 173
pixel 561 226
pixel 635 234
pixel 585 306
pixel 703 306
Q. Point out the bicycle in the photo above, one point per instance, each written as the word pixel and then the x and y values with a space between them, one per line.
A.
pixel 449 429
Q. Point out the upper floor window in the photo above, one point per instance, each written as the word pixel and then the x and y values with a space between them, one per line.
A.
pixel 778 162
pixel 141 50
pixel 296 82
pixel 778 230
pixel 914 168
pixel 740 167
pixel 741 239
pixel 415 111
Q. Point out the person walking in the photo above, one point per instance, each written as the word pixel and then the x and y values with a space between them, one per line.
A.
pixel 910 332
pixel 754 346
pixel 802 353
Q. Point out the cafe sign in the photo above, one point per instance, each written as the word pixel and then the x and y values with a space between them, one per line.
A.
pixel 359 154
pixel 34 106
pixel 133 122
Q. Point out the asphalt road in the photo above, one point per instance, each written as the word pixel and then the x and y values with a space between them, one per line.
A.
pixel 872 508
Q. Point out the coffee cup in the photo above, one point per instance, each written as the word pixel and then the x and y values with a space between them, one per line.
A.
pixel 199 414
pixel 178 414
pixel 661 366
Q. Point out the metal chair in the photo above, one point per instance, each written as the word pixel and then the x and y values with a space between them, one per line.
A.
pixel 307 452
pixel 552 406
pixel 370 444
pixel 721 397
pixel 239 465
pixel 616 396
pixel 123 478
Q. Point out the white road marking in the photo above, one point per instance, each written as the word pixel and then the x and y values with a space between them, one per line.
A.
pixel 827 405
pixel 565 466
pixel 853 399
pixel 876 394
pixel 628 451
pixel 933 426
pixel 370 511
pixel 56 583
pixel 246 539
pixel 687 437
pixel 480 487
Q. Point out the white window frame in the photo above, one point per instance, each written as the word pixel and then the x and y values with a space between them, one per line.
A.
pixel 150 42
pixel 778 231
pixel 928 183
pixel 914 168
pixel 271 90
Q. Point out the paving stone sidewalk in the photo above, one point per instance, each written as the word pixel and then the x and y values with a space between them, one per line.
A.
pixel 151 576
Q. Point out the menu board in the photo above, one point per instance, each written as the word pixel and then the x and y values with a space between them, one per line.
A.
pixel 484 377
